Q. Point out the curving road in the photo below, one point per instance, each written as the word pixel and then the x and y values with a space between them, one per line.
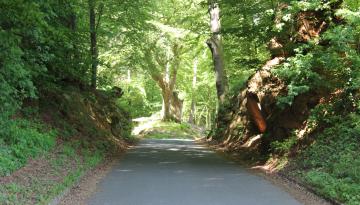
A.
pixel 180 172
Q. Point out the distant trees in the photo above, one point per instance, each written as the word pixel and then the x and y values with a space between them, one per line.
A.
pixel 192 114
pixel 161 44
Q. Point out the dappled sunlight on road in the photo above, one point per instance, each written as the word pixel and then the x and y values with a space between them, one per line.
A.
pixel 180 171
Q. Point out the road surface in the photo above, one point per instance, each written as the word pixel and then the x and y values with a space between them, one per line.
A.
pixel 181 172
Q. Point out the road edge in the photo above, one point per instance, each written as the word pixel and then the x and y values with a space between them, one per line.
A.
pixel 299 191
pixel 89 179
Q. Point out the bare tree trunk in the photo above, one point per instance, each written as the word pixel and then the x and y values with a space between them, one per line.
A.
pixel 172 105
pixel 215 45
pixel 93 46
pixel 193 100
pixel 166 94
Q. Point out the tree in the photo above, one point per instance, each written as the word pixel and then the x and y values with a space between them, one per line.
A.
pixel 94 25
pixel 163 65
pixel 193 88
pixel 216 47
pixel 164 46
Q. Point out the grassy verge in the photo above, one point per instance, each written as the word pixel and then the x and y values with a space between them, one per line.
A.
pixel 52 143
pixel 331 165
pixel 20 140
pixel 43 179
pixel 168 130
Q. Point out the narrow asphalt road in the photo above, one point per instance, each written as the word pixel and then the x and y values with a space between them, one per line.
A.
pixel 180 172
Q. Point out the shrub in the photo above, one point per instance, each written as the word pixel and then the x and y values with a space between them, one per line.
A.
pixel 332 164
pixel 20 140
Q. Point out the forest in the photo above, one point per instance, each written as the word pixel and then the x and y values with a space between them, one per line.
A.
pixel 276 81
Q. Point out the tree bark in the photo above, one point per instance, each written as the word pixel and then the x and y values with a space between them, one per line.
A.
pixel 172 105
pixel 166 80
pixel 93 45
pixel 193 100
pixel 166 94
pixel 215 45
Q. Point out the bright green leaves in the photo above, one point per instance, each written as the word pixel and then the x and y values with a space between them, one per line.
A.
pixel 313 5
pixel 15 79
pixel 246 28
pixel 298 74
pixel 328 63
pixel 331 164
pixel 35 44
pixel 353 5
pixel 346 40
pixel 21 140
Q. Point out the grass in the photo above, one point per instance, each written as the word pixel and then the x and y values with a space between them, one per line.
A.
pixel 20 140
pixel 331 165
pixel 68 166
pixel 75 136
pixel 168 130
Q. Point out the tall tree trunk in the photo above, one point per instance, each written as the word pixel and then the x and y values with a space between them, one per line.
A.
pixel 167 90
pixel 193 101
pixel 215 45
pixel 93 48
pixel 166 80
pixel 128 85
pixel 166 94
pixel 172 105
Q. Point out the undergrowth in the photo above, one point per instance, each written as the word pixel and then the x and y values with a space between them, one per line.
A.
pixel 168 130
pixel 68 134
pixel 42 189
pixel 20 140
pixel 332 163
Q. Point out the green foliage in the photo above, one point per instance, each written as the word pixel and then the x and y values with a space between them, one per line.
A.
pixel 299 77
pixel 75 160
pixel 21 140
pixel 341 189
pixel 171 130
pixel 246 29
pixel 38 47
pixel 319 66
pixel 327 64
pixel 141 96
pixel 14 77
pixel 331 164
pixel 283 147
